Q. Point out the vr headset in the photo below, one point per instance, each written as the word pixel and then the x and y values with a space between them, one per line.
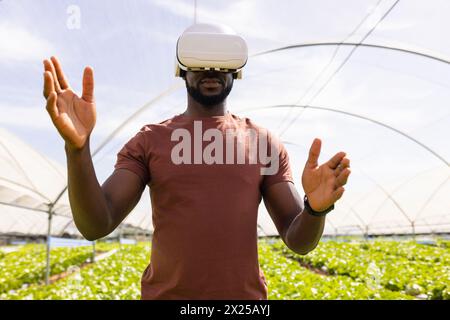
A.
pixel 204 47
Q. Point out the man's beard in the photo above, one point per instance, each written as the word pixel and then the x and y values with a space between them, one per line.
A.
pixel 209 101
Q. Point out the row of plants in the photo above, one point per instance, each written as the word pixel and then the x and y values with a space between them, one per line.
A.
pixel 443 243
pixel 288 280
pixel 28 264
pixel 116 277
pixel 379 270
pixel 410 250
pixel 409 268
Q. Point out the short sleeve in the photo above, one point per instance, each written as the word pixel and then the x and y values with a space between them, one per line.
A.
pixel 134 157
pixel 284 173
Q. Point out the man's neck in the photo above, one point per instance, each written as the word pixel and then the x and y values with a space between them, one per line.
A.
pixel 195 109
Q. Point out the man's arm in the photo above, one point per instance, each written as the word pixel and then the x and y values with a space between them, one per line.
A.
pixel 323 185
pixel 299 230
pixel 98 210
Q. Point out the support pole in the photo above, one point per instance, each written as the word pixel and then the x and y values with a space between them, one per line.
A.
pixel 195 11
pixel 93 251
pixel 120 236
pixel 49 230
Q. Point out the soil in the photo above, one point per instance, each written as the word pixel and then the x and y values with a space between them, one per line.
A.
pixel 313 269
pixel 66 273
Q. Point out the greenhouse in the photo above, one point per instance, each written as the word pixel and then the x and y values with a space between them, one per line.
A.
pixel 370 78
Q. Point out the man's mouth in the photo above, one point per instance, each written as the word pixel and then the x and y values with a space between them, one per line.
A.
pixel 211 82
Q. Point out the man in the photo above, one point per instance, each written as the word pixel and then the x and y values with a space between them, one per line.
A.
pixel 204 201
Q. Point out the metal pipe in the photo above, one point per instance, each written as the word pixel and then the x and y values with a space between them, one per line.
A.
pixel 445 60
pixel 47 268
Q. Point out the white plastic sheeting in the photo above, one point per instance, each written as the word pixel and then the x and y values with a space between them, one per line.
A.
pixel 30 184
pixel 368 77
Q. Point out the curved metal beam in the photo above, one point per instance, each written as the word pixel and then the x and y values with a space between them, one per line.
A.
pixel 354 44
pixel 352 210
pixel 354 115
pixel 400 186
pixel 16 162
pixel 26 187
pixel 22 207
pixel 432 195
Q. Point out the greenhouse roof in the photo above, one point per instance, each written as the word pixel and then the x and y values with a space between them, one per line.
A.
pixel 370 78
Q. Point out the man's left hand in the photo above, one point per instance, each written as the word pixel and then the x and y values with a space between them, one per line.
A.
pixel 324 184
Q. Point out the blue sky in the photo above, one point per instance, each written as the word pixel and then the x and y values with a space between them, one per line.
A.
pixel 131 44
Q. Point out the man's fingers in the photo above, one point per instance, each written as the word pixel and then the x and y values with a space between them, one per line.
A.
pixel 337 194
pixel 60 74
pixel 88 85
pixel 48 65
pixel 49 86
pixel 335 160
pixel 345 163
pixel 343 177
pixel 52 109
pixel 314 153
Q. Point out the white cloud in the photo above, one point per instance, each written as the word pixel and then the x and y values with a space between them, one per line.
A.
pixel 36 117
pixel 243 12
pixel 18 44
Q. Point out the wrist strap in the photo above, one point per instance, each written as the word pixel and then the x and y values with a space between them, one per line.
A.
pixel 316 213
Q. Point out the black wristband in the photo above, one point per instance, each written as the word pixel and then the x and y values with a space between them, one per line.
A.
pixel 316 213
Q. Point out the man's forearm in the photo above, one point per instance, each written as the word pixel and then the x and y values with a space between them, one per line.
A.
pixel 87 200
pixel 304 232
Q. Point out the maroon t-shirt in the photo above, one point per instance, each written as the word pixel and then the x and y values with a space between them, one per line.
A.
pixel 204 204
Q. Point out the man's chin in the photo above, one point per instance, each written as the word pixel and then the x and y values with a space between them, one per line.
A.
pixel 211 93
pixel 209 98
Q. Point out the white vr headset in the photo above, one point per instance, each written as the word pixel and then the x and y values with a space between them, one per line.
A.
pixel 211 47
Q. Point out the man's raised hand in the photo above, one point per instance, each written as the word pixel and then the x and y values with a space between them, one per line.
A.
pixel 324 184
pixel 73 117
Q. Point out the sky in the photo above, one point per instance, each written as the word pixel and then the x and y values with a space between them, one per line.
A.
pixel 388 109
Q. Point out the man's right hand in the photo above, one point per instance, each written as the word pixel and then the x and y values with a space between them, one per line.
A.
pixel 73 117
